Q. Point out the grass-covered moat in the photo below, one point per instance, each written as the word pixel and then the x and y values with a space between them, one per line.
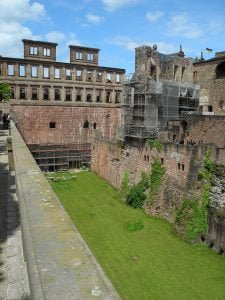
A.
pixel 149 263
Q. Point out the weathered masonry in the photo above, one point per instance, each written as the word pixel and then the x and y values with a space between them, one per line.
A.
pixel 59 107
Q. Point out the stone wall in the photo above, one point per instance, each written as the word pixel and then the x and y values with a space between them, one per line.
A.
pixel 182 164
pixel 73 124
pixel 212 88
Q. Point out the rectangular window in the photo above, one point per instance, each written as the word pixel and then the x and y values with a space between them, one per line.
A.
pixel 108 77
pixel 117 78
pixel 78 95
pixel 10 70
pixel 57 73
pixel 108 97
pixel 89 75
pixel 46 72
pixel 52 125
pixel 78 74
pixel 99 76
pixel 57 94
pixel 118 97
pixel 33 50
pixel 79 55
pixel 34 93
pixel 98 96
pixel 68 74
pixel 46 93
pixel 46 51
pixel 22 93
pixel 90 56
pixel 68 94
pixel 34 71
pixel 22 71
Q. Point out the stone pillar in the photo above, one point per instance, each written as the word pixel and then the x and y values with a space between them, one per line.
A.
pixel 94 95
pixel 84 95
pixel 63 94
pixel 113 96
pixel 17 92
pixel 51 94
pixel 40 89
pixel 103 96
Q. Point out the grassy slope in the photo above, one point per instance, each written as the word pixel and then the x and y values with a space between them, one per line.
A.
pixel 148 264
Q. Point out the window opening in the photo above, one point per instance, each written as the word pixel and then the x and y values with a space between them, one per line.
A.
pixel 90 56
pixel 57 94
pixel 79 55
pixel 68 74
pixel 86 124
pixel 46 72
pixel 46 93
pixel 34 71
pixel 22 71
pixel 52 125
pixel 46 51
pixel 22 93
pixel 34 93
pixel 10 70
pixel 57 73
pixel 33 50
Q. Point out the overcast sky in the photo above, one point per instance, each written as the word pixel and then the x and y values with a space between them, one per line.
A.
pixel 114 26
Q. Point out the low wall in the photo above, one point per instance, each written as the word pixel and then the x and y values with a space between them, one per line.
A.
pixel 60 265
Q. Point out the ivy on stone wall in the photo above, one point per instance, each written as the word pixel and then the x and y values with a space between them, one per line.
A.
pixel 192 217
pixel 154 144
pixel 156 176
pixel 136 195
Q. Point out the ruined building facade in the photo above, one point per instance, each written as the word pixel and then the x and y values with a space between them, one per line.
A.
pixel 59 107
pixel 160 90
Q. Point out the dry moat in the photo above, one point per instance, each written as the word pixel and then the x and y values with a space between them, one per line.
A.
pixel 142 262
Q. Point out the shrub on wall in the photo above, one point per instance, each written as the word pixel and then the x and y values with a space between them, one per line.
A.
pixel 192 217
pixel 156 177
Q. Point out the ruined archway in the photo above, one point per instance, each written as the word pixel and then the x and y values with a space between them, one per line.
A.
pixel 220 70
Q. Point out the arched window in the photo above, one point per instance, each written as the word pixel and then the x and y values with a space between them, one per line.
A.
pixel 86 124
pixel 220 70
pixel 95 125
pixel 175 71
pixel 182 73
pixel 195 76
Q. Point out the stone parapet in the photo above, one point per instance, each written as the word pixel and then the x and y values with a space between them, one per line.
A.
pixel 60 264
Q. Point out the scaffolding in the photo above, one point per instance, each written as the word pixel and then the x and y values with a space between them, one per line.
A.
pixel 61 157
pixel 148 105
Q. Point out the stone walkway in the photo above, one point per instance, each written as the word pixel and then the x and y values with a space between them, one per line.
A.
pixel 13 273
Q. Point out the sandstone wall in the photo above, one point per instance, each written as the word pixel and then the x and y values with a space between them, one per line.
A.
pixel 212 88
pixel 182 163
pixel 33 121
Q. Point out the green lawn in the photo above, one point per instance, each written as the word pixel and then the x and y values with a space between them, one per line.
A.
pixel 148 264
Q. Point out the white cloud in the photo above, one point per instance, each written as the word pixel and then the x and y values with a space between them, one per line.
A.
pixel 181 25
pixel 12 31
pixel 112 5
pixel 130 44
pixel 94 19
pixel 154 16
pixel 55 37
pixel 21 10
pixel 124 42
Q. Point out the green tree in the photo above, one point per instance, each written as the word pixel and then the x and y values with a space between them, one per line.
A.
pixel 5 91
